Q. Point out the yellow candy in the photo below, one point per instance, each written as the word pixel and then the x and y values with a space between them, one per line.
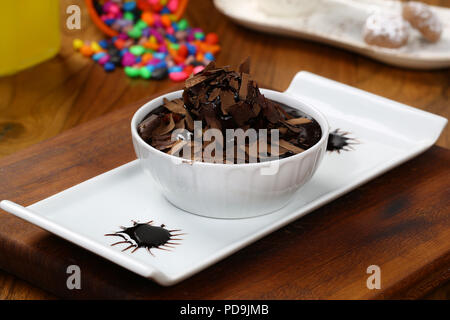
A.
pixel 77 44
pixel 96 47
pixel 163 2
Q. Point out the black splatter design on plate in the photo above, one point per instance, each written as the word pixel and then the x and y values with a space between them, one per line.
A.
pixel 338 140
pixel 145 235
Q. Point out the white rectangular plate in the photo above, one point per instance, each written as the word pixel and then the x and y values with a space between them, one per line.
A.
pixel 390 133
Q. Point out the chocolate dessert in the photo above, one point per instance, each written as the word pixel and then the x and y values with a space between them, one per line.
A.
pixel 229 102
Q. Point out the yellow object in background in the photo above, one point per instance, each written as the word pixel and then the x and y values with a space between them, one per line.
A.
pixel 29 33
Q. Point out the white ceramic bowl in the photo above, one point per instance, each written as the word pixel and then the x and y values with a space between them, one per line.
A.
pixel 230 190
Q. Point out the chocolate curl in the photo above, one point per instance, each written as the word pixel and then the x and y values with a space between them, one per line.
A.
pixel 214 94
pixel 177 147
pixel 146 127
pixel 245 66
pixel 226 101
pixel 243 90
pixel 241 113
pixel 165 127
pixel 210 117
pixel 289 146
pixel 192 82
pixel 269 110
pixel 189 122
pixel 298 121
pixel 175 106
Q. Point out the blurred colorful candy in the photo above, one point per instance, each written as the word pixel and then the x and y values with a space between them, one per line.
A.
pixel 198 69
pixel 109 66
pixel 150 43
pixel 212 38
pixel 86 50
pixel 77 44
pixel 178 76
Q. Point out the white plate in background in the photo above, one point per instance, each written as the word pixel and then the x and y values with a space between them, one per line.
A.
pixel 340 23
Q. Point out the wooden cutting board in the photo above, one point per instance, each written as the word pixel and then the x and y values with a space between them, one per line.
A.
pixel 399 222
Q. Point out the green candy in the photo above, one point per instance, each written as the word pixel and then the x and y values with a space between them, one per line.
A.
pixel 174 46
pixel 137 50
pixel 199 35
pixel 182 24
pixel 128 16
pixel 145 73
pixel 135 33
pixel 141 24
pixel 132 72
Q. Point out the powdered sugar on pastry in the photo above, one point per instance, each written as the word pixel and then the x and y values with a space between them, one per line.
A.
pixel 422 18
pixel 386 30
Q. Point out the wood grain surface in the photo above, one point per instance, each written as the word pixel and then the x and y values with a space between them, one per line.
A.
pixel 69 90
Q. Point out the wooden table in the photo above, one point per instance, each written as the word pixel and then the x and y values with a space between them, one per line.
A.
pixel 68 90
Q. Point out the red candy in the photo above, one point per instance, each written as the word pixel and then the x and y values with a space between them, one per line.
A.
pixel 183 51
pixel 178 59
pixel 189 69
pixel 212 38
pixel 120 44
pixel 157 7
pixel 144 5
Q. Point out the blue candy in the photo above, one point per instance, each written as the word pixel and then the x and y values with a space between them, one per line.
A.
pixel 150 67
pixel 103 43
pixel 175 69
pixel 191 48
pixel 129 6
pixel 159 55
pixel 123 51
pixel 109 22
pixel 98 56
pixel 161 65
pixel 109 66
pixel 209 56
pixel 171 38
pixel 165 10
